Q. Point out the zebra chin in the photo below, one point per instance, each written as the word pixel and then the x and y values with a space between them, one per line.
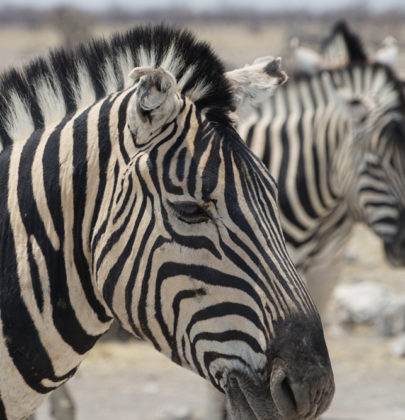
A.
pixel 298 384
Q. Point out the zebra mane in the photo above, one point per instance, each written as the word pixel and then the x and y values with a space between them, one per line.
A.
pixel 50 88
pixel 353 45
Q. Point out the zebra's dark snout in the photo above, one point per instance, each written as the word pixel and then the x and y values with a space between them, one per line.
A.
pixel 301 395
pixel 301 376
pixel 297 382
pixel 282 393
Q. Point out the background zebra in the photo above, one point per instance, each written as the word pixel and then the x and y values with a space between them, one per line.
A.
pixel 348 47
pixel 338 158
pixel 132 197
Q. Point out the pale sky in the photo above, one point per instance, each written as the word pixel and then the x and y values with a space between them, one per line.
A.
pixel 313 5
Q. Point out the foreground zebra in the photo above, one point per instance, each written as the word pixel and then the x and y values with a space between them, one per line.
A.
pixel 133 198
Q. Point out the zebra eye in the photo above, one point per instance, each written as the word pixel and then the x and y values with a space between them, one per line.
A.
pixel 190 212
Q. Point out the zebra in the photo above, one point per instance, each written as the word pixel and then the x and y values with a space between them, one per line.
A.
pixel 348 45
pixel 342 47
pixel 127 194
pixel 338 158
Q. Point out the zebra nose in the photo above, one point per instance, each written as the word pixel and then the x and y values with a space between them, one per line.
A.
pixel 282 393
pixel 304 398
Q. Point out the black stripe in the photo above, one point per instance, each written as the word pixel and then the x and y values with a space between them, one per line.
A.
pixel 284 202
pixel 258 195
pixel 170 154
pixel 266 158
pixel 79 199
pixel 228 335
pixel 35 278
pixel 63 314
pixel 128 192
pixel 122 120
pixel 210 173
pixel 179 298
pixel 238 217
pixel 99 234
pixel 104 152
pixel 301 179
pixel 21 337
pixel 141 307
pixel 2 410
pixel 249 135
pixel 180 165
pixel 116 236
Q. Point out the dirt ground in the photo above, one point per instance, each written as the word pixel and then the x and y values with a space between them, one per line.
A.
pixel 132 381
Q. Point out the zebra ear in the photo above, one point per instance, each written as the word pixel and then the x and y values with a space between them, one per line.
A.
pixel 154 104
pixel 254 83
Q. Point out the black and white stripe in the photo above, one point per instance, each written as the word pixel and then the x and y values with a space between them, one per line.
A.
pixel 179 238
pixel 336 164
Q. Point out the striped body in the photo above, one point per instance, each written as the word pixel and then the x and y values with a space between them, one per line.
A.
pixel 137 200
pixel 336 164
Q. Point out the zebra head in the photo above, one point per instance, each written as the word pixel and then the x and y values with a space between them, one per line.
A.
pixel 372 166
pixel 146 206
pixel 189 253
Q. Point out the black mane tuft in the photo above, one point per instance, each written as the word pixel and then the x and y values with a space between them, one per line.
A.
pixel 74 79
pixel 354 46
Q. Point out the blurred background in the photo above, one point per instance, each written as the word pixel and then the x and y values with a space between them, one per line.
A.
pixel 125 379
pixel 238 30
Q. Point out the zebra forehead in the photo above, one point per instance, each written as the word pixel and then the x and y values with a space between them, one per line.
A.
pixel 76 78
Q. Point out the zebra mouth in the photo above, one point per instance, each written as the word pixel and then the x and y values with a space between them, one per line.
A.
pixel 278 399
pixel 248 400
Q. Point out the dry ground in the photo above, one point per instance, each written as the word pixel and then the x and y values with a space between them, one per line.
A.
pixel 132 381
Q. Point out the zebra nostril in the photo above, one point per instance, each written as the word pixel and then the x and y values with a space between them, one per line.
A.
pixel 282 393
pixel 288 392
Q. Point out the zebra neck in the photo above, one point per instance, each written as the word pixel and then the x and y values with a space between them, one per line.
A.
pixel 51 310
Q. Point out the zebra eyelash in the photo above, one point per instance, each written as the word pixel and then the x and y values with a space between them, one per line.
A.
pixel 189 212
